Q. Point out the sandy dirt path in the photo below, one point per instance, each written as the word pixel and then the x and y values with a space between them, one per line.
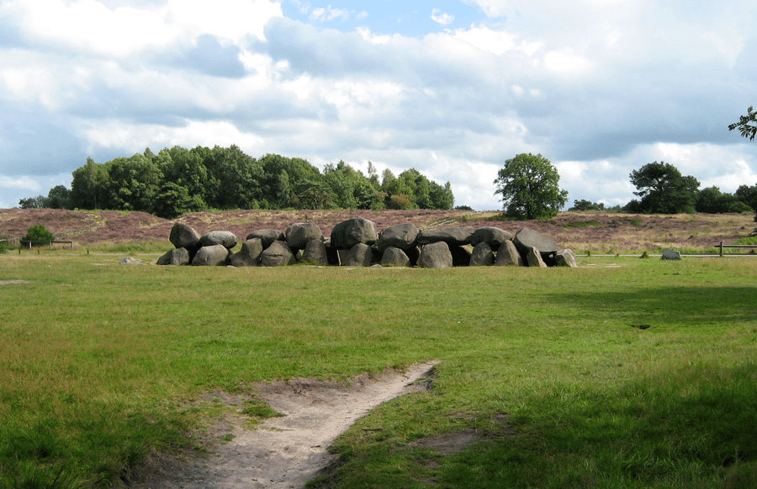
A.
pixel 286 452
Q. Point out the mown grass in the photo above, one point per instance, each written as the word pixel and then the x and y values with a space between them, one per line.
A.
pixel 102 364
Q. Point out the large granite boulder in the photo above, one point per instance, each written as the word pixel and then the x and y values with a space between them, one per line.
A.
pixel 534 259
pixel 348 233
pixel 276 255
pixel 267 236
pixel 566 258
pixel 177 256
pixel 527 238
pixel 315 252
pixel 394 257
pixel 508 256
pixel 435 255
pixel 298 235
pixel 671 255
pixel 183 236
pixel 249 255
pixel 492 236
pixel 225 238
pixel 482 255
pixel 359 255
pixel 216 255
pixel 452 236
pixel 402 236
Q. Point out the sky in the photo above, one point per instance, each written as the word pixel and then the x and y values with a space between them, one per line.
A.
pixel 451 88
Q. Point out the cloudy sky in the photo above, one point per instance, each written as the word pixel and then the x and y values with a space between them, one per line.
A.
pixel 452 88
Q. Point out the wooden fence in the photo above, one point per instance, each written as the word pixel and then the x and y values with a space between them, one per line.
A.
pixel 721 246
pixel 29 244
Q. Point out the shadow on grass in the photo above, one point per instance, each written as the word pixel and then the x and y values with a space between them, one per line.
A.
pixel 687 305
pixel 691 427
pixel 683 426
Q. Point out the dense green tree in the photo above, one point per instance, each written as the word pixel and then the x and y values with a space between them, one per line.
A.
pixel 399 202
pixel 37 202
pixel 663 190
pixel 586 205
pixel 365 195
pixel 711 200
pixel 178 180
pixel 748 195
pixel 89 186
pixel 373 176
pixel 316 195
pixel 59 197
pixel 133 183
pixel 174 200
pixel 529 186
pixel 441 196
pixel 235 179
pixel 745 124
pixel 342 181
pixel 284 177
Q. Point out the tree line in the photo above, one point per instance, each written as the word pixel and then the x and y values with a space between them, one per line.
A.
pixel 179 180
pixel 529 186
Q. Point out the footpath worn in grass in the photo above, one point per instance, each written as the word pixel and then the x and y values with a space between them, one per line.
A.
pixel 637 375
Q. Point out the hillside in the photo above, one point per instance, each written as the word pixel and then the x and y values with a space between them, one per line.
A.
pixel 580 231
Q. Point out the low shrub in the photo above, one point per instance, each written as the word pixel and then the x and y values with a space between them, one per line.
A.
pixel 37 234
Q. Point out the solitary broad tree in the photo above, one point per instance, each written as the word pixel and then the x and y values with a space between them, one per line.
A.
pixel 745 126
pixel 529 186
pixel 663 190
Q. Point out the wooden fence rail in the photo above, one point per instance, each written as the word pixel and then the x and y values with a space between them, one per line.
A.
pixel 721 246
pixel 51 243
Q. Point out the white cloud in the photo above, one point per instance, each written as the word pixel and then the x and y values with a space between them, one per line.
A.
pixel 91 27
pixel 441 18
pixel 131 138
pixel 23 182
pixel 329 13
pixel 497 42
pixel 599 87
pixel 565 62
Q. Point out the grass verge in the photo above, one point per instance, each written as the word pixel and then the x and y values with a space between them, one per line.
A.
pixel 103 364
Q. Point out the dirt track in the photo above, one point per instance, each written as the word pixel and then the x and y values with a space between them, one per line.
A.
pixel 284 452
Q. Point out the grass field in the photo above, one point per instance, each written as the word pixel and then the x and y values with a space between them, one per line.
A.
pixel 622 373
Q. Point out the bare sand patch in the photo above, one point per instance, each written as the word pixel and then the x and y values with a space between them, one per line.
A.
pixel 283 452
pixel 13 282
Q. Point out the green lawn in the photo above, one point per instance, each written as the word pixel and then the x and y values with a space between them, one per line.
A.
pixel 98 362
